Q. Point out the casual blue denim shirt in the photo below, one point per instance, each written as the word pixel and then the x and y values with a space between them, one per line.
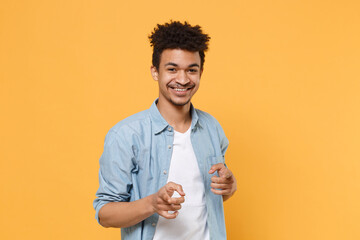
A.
pixel 136 160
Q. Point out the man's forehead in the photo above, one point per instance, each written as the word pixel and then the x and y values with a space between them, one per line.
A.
pixel 179 57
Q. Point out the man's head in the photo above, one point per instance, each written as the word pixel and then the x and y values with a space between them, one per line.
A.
pixel 178 60
pixel 177 35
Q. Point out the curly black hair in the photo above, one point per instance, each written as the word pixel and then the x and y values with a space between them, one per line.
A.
pixel 175 35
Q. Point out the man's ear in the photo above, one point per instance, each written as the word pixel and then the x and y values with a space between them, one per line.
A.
pixel 154 73
pixel 201 71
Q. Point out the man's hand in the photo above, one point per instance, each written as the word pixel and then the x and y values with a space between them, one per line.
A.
pixel 163 201
pixel 225 184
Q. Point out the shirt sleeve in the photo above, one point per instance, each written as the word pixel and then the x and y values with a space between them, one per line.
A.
pixel 116 164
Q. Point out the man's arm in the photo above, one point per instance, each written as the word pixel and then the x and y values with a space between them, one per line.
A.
pixel 126 214
pixel 225 184
pixel 112 205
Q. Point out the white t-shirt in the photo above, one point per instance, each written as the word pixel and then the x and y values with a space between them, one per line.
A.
pixel 184 170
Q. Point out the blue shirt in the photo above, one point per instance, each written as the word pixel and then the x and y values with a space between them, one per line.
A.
pixel 136 160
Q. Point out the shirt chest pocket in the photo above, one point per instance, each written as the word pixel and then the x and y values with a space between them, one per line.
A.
pixel 216 160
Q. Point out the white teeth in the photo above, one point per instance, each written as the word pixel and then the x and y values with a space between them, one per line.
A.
pixel 180 89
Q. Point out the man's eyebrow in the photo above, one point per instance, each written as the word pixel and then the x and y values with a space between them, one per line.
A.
pixel 172 64
pixel 175 65
pixel 194 65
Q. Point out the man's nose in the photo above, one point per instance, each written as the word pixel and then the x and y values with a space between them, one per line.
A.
pixel 182 78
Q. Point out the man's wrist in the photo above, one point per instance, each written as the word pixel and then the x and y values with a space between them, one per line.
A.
pixel 150 204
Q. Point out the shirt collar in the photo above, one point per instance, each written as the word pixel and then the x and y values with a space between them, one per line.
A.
pixel 159 123
pixel 194 118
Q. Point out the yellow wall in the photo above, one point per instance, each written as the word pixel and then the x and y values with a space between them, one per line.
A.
pixel 281 76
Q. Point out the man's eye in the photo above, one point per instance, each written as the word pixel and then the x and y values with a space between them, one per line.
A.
pixel 171 69
pixel 192 70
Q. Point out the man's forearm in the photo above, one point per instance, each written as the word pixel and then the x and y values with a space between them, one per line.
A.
pixel 125 214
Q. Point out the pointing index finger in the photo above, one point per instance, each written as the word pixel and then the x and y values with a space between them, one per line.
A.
pixel 171 187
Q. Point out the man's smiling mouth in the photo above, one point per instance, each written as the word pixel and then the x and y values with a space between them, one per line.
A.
pixel 181 89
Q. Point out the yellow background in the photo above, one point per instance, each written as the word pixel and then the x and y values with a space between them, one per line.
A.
pixel 282 77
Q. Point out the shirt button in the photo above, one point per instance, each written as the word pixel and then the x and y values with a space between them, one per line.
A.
pixel 169 146
pixel 153 224
pixel 164 172
pixel 169 129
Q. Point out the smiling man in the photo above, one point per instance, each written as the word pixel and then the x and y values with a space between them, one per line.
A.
pixel 162 173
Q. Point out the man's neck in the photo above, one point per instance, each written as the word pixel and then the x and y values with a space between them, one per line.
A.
pixel 178 117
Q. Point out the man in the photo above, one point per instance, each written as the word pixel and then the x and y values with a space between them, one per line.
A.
pixel 162 173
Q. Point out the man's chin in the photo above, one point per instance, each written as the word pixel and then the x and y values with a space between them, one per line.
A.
pixel 180 103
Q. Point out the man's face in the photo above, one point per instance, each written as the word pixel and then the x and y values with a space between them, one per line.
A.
pixel 178 76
